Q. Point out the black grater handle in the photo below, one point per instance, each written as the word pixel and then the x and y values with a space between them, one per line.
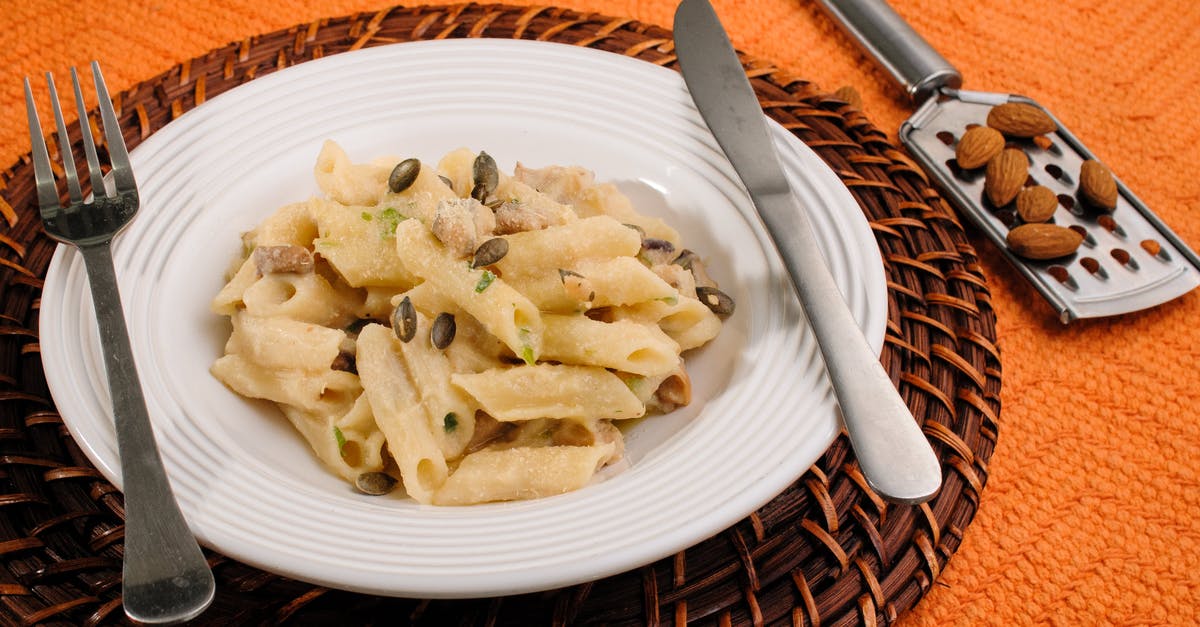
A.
pixel 919 69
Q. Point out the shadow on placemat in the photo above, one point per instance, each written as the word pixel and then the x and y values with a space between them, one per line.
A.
pixel 827 550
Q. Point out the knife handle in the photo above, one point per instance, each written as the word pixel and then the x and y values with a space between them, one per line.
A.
pixel 919 69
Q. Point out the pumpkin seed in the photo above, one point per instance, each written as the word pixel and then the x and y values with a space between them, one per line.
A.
pixel 447 181
pixel 375 483
pixel 485 175
pixel 719 302
pixel 490 252
pixel 404 320
pixel 443 331
pixel 404 174
pixel 640 230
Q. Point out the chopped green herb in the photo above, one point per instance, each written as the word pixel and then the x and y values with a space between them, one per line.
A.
pixel 485 280
pixel 324 243
pixel 526 347
pixel 341 439
pixel 450 422
pixel 670 300
pixel 389 219
pixel 366 215
pixel 633 381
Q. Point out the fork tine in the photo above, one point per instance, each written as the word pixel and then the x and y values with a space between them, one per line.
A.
pixel 64 144
pixel 42 173
pixel 121 170
pixel 89 145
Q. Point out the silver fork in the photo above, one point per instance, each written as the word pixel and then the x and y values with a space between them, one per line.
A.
pixel 165 578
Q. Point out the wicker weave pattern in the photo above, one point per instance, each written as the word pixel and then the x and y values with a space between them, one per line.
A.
pixel 827 551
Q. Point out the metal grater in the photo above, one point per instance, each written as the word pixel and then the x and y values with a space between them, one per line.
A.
pixel 1129 259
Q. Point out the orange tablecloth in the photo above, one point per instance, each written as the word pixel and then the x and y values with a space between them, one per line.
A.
pixel 1092 507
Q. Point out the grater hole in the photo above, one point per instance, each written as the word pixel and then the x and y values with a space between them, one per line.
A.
pixel 1110 225
pixel 1124 258
pixel 967 176
pixel 947 137
pixel 1091 265
pixel 1087 237
pixel 1063 276
pixel 1155 249
pixel 1053 169
pixel 1007 217
pixel 1068 203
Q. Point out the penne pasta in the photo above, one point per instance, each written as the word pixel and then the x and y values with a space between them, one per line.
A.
pixel 476 334
pixel 550 391
pixel 521 473
pixel 401 416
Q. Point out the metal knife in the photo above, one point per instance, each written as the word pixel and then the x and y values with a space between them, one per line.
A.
pixel 895 457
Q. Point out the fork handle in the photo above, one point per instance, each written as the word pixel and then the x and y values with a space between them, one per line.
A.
pixel 165 577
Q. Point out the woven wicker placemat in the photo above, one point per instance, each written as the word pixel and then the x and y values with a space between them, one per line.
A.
pixel 827 551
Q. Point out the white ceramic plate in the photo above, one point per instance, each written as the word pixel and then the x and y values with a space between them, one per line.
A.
pixel 762 410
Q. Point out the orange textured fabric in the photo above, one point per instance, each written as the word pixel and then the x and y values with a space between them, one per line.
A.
pixel 1092 511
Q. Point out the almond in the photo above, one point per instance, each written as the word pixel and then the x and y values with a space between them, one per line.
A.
pixel 1036 204
pixel 1005 176
pixel 1018 119
pixel 1043 241
pixel 977 146
pixel 1097 185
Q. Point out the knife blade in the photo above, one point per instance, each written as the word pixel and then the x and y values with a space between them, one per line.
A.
pixel 893 453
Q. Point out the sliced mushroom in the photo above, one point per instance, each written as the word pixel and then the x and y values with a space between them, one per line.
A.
pixel 562 183
pixel 677 277
pixel 571 433
pixel 461 224
pixel 487 431
pixel 675 391
pixel 691 261
pixel 276 259
pixel 345 362
pixel 515 217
